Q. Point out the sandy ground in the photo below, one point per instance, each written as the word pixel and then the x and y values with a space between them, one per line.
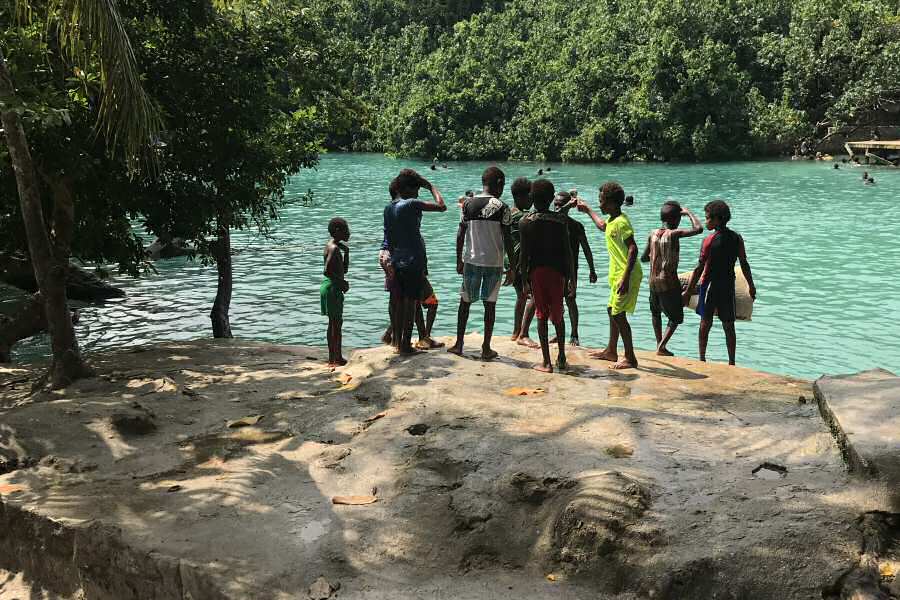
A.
pixel 595 484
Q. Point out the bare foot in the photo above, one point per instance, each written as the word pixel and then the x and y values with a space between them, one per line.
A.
pixel 623 364
pixel 457 350
pixel 514 337
pixel 543 368
pixel 562 364
pixel 408 351
pixel 387 339
pixel 341 361
pixel 433 344
pixel 664 352
pixel 528 343
pixel 604 355
pixel 488 354
pixel 574 342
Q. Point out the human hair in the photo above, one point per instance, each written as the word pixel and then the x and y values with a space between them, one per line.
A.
pixel 337 224
pixel 493 178
pixel 542 192
pixel 394 188
pixel 718 209
pixel 670 211
pixel 521 192
pixel 408 182
pixel 613 192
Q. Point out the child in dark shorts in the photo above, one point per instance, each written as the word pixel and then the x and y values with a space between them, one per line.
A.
pixel 715 272
pixel 521 193
pixel 663 252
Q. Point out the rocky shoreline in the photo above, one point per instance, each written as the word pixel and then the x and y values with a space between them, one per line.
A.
pixel 215 469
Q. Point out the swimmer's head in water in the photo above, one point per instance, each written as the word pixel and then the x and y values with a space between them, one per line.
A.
pixel 493 181
pixel 629 200
pixel 339 229
pixel 521 193
pixel 718 213
pixel 612 196
pixel 542 192
pixel 670 213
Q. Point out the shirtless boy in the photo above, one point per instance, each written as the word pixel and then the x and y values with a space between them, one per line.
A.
pixel 663 252
pixel 337 263
pixel 521 193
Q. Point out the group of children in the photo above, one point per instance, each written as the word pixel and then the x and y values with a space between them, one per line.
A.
pixel 535 248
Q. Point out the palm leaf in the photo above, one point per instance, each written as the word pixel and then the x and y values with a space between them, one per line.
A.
pixel 128 119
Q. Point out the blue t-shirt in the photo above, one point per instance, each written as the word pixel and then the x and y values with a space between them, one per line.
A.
pixel 402 236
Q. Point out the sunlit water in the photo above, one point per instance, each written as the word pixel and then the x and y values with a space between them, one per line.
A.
pixel 822 246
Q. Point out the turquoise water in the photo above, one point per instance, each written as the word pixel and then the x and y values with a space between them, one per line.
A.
pixel 821 244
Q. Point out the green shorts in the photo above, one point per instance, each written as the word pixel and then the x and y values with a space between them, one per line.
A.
pixel 332 300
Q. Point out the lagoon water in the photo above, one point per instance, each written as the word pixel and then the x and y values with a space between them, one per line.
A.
pixel 823 248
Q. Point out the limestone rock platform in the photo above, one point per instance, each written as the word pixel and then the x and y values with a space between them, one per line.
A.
pixel 236 469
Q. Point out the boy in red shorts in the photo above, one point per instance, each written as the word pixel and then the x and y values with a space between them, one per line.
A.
pixel 545 259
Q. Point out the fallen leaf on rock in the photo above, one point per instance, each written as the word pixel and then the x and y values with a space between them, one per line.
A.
pixel 174 488
pixel 245 422
pixel 889 569
pixel 354 500
pixel 374 418
pixel 10 488
pixel 344 378
pixel 619 451
pixel 522 391
pixel 551 577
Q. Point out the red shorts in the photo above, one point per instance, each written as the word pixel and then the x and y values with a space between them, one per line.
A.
pixel 548 286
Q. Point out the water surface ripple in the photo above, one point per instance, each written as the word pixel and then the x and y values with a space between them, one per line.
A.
pixel 822 247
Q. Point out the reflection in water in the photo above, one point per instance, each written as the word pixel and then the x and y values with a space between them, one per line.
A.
pixel 827 278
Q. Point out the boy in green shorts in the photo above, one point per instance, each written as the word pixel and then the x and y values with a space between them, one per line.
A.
pixel 337 262
pixel 625 273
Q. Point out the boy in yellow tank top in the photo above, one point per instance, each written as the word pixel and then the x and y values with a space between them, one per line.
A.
pixel 625 273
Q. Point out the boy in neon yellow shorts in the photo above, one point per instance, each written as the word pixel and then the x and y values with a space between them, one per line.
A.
pixel 625 273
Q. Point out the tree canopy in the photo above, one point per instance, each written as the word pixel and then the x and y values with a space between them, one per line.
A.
pixel 614 79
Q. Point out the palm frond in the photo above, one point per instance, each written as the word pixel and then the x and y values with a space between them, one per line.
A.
pixel 128 119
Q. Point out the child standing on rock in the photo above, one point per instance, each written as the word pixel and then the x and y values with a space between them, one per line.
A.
pixel 625 273
pixel 337 263
pixel 715 272
pixel 663 253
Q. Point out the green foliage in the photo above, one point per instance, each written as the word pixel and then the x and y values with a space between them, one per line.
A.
pixel 247 94
pixel 614 79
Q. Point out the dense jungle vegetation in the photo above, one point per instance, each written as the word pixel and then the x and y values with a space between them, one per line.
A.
pixel 613 79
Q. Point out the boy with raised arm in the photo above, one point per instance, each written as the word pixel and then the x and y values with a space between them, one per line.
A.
pixel 481 241
pixel 403 239
pixel 521 193
pixel 564 202
pixel 715 272
pixel 331 293
pixel 624 273
pixel 663 252
pixel 546 261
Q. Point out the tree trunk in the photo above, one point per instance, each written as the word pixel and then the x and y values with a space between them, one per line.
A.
pixel 222 251
pixel 67 365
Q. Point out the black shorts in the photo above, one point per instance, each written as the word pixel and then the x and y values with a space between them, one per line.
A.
pixel 409 282
pixel 720 301
pixel 668 303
